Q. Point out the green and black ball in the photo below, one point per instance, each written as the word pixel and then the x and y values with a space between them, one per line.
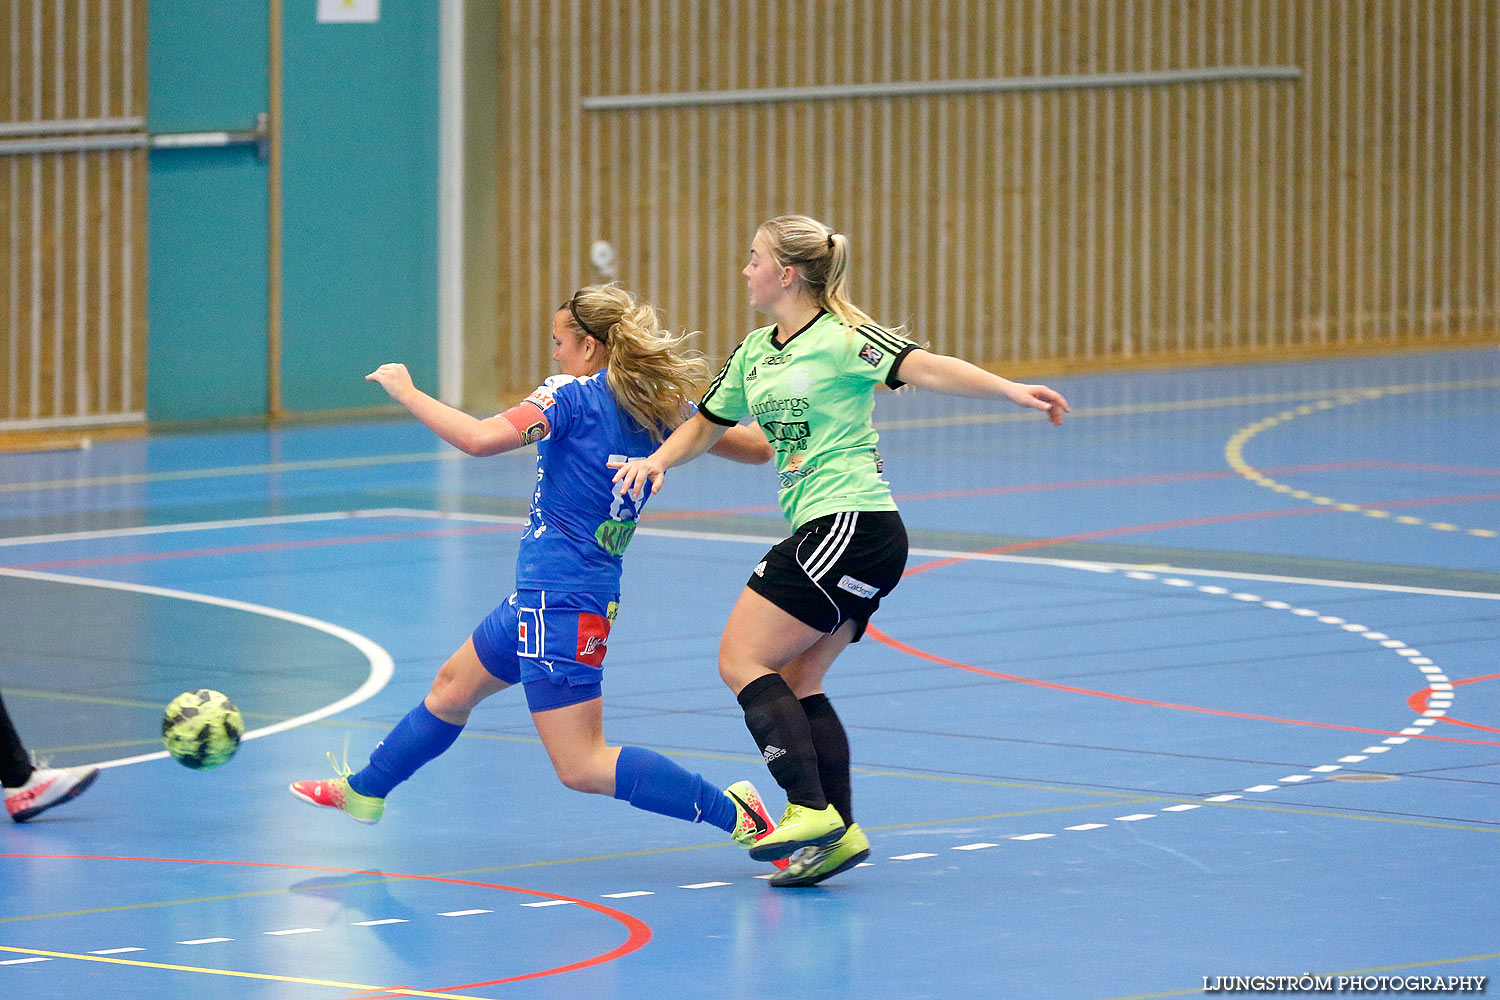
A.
pixel 202 729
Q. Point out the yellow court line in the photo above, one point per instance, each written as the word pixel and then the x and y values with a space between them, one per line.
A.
pixel 359 987
pixel 1234 451
pixel 1185 405
pixel 1127 409
pixel 94 699
pixel 269 468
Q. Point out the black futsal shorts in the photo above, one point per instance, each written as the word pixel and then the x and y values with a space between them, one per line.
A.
pixel 835 569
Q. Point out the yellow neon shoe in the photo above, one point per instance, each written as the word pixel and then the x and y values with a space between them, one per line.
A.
pixel 799 827
pixel 813 865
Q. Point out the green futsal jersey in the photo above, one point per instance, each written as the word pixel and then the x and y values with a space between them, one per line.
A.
pixel 813 397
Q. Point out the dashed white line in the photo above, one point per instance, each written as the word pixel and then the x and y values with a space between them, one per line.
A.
pixel 464 913
pixel 912 857
pixel 115 951
pixel 974 847
pixel 551 902
pixel 293 930
pixel 215 940
pixel 380 923
pixel 637 892
pixel 703 885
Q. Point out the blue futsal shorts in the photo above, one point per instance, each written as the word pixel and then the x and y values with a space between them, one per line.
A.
pixel 552 641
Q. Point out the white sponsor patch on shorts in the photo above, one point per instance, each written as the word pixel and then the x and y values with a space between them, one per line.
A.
pixel 856 587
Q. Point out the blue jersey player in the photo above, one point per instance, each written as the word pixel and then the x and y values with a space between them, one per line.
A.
pixel 552 634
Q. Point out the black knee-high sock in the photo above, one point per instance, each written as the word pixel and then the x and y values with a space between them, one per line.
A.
pixel 776 720
pixel 15 765
pixel 832 746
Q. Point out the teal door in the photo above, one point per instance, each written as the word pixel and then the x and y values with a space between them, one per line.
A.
pixel 357 258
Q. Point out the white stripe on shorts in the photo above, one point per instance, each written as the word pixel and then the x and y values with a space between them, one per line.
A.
pixel 832 548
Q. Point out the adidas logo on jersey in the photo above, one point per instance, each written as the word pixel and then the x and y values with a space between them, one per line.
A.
pixel 760 568
pixel 770 753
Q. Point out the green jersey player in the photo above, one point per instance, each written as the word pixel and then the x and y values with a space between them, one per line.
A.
pixel 809 381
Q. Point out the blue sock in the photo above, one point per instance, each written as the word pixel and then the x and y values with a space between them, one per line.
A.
pixel 414 741
pixel 649 781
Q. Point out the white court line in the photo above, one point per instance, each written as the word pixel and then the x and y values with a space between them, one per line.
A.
pixel 716 536
pixel 169 529
pixel 1086 565
pixel 382 667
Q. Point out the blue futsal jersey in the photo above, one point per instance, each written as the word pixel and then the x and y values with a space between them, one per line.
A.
pixel 580 523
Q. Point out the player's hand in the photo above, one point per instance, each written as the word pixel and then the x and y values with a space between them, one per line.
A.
pixel 393 378
pixel 1041 397
pixel 632 477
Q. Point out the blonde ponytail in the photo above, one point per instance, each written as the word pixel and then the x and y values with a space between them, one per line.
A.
pixel 821 257
pixel 654 376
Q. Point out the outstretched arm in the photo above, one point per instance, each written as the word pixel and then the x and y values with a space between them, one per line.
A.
pixel 957 377
pixel 693 437
pixel 745 444
pixel 463 431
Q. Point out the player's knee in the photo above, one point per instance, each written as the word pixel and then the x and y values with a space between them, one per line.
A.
pixel 453 692
pixel 445 695
pixel 581 775
pixel 736 672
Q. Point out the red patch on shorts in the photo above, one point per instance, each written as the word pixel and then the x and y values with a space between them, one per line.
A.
pixel 593 637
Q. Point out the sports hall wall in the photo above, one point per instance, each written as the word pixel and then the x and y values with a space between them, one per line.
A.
pixel 1346 200
pixel 138 284
pixel 1329 187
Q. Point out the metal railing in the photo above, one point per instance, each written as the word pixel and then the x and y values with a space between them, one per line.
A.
pixel 122 133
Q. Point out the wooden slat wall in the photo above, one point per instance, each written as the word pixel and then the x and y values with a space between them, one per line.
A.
pixel 1356 206
pixel 73 278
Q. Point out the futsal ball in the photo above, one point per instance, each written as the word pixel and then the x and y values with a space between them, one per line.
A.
pixel 202 729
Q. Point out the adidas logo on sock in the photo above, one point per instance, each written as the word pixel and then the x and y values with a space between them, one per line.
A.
pixel 770 753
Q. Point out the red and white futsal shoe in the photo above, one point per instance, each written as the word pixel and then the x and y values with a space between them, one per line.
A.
pixel 47 787
pixel 752 822
pixel 337 794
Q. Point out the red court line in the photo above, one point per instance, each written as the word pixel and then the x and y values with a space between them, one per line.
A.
pixel 897 644
pixel 640 932
pixel 1419 698
pixel 1462 470
pixel 1432 501
pixel 1191 522
pixel 1153 480
pixel 1088 484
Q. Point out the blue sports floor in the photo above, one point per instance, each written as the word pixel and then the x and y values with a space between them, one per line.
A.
pixel 1202 684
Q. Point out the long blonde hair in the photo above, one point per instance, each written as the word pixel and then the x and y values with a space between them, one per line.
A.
pixel 821 257
pixel 654 377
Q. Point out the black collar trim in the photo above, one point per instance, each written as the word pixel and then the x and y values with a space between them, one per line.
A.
pixel 782 346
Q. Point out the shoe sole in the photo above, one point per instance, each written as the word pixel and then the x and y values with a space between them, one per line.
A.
pixel 314 802
pixel 785 849
pixel 72 794
pixel 802 883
